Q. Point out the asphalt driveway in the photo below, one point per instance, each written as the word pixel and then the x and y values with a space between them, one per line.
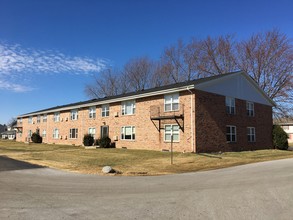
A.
pixel 255 191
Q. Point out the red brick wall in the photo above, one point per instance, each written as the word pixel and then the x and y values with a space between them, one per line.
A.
pixel 211 120
pixel 147 135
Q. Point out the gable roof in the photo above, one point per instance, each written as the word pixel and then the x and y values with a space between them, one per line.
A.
pixel 176 87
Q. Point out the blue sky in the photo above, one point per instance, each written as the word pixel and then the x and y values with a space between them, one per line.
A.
pixel 49 49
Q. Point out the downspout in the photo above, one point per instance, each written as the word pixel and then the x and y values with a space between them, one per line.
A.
pixel 191 120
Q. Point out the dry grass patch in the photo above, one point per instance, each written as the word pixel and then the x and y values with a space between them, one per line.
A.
pixel 130 162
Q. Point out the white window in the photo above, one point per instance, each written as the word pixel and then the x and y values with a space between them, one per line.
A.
pixel 30 120
pixel 57 116
pixel 92 112
pixel 38 119
pixel 73 133
pixel 45 118
pixel 172 131
pixel 128 133
pixel 105 110
pixel 44 133
pixel 92 132
pixel 55 133
pixel 230 105
pixel 251 134
pixel 74 114
pixel 20 121
pixel 171 102
pixel 29 133
pixel 128 107
pixel 250 108
pixel 231 133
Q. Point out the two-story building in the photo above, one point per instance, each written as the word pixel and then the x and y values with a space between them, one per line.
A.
pixel 227 112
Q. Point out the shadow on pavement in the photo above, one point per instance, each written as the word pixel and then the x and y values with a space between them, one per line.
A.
pixel 8 164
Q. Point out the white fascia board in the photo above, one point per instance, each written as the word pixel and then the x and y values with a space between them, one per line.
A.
pixel 143 95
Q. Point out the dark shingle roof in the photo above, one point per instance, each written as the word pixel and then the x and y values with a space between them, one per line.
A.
pixel 175 85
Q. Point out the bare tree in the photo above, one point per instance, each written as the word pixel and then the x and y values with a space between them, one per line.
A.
pixel 105 84
pixel 159 77
pixel 174 65
pixel 268 58
pixel 217 56
pixel 138 72
pixel 12 122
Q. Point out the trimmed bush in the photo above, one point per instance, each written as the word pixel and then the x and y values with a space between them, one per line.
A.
pixel 280 138
pixel 105 142
pixel 36 138
pixel 88 140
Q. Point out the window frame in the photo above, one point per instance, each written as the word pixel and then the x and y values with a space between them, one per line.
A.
pixel 250 108
pixel 74 114
pixel 92 112
pixel 231 134
pixel 172 132
pixel 230 104
pixel 30 119
pixel 105 110
pixel 251 134
pixel 45 116
pixel 56 117
pixel 44 133
pixel 124 107
pixel 38 119
pixel 173 101
pixel 90 133
pixel 123 133
pixel 73 135
pixel 56 133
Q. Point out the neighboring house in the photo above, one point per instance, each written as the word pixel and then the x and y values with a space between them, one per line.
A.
pixel 227 112
pixel 8 134
pixel 288 128
pixel 2 128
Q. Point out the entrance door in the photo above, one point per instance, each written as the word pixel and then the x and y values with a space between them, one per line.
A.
pixel 104 131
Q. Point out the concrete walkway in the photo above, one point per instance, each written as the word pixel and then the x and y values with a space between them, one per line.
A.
pixel 255 191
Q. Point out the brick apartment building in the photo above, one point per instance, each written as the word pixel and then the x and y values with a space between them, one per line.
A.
pixel 228 112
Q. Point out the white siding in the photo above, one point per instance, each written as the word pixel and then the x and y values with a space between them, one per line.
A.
pixel 236 86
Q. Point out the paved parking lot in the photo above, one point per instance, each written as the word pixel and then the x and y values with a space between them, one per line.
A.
pixel 255 191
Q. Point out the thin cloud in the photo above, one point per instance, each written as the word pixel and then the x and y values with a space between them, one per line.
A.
pixel 14 87
pixel 19 62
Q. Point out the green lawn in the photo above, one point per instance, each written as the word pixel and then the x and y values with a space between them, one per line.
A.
pixel 130 162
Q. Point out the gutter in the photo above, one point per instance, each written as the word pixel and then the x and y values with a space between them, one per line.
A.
pixel 193 148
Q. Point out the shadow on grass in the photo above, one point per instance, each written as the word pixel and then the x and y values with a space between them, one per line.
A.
pixel 9 164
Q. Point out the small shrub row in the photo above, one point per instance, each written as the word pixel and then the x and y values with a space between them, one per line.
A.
pixel 104 142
